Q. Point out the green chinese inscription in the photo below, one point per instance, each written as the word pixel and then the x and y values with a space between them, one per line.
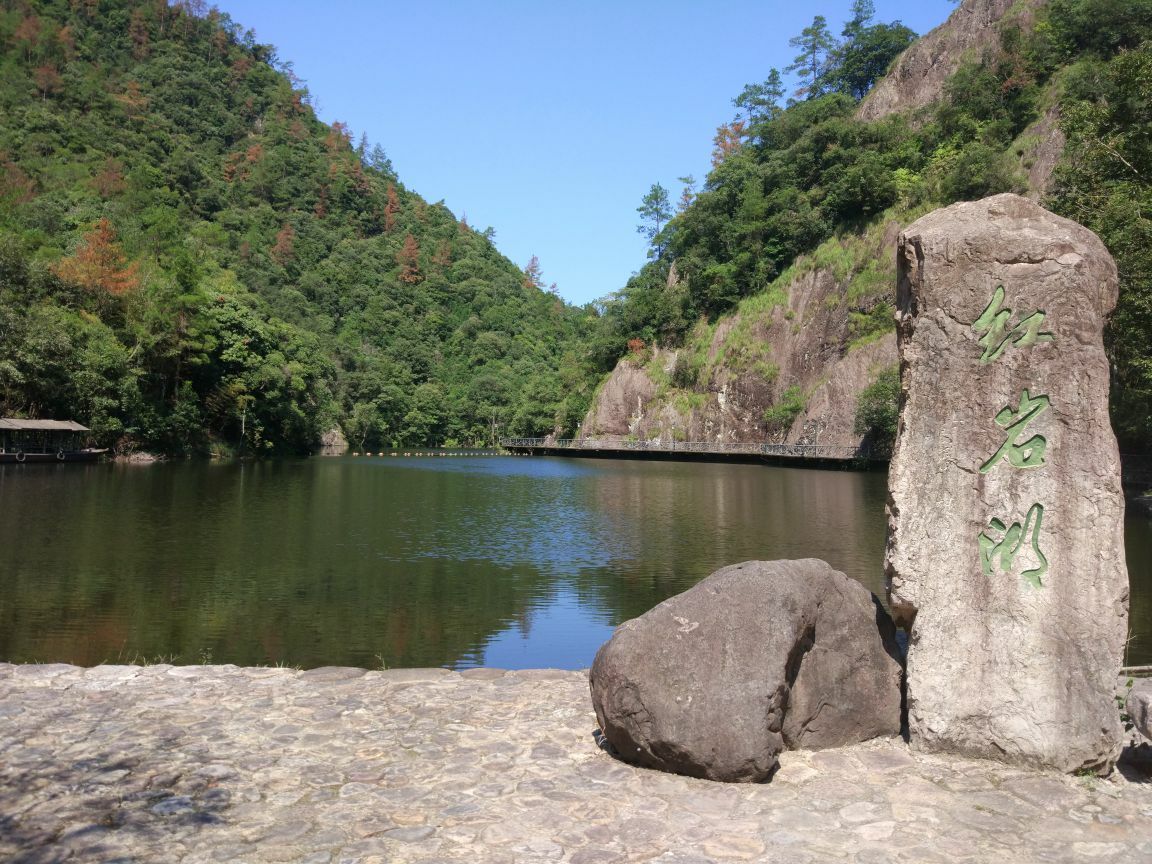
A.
pixel 1001 553
pixel 1029 454
pixel 997 335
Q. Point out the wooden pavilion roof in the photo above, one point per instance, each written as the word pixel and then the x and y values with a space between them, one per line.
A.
pixel 19 424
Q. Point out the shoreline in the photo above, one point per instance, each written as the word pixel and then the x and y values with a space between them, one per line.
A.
pixel 208 763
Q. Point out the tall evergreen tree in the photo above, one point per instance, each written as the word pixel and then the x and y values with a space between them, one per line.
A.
pixel 655 209
pixel 760 103
pixel 865 53
pixel 816 43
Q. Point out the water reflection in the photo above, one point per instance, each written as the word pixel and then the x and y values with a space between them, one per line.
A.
pixel 406 562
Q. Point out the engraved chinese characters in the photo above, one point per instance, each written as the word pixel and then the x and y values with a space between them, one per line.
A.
pixel 993 322
pixel 1005 553
pixel 1030 454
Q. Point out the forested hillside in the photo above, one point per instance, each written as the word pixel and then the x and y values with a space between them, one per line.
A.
pixel 804 188
pixel 190 260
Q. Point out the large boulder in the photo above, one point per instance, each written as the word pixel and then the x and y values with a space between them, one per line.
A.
pixel 1139 707
pixel 757 658
pixel 1005 548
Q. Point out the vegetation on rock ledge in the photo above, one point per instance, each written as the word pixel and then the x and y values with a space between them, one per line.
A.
pixel 807 177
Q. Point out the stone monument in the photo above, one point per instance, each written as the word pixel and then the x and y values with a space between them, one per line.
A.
pixel 1005 553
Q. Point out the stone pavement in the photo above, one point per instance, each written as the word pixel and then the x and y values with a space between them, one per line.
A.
pixel 219 763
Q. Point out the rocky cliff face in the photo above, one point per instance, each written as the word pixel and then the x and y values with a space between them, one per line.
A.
pixel 917 77
pixel 787 367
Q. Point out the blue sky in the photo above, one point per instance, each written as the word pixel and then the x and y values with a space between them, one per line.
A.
pixel 547 121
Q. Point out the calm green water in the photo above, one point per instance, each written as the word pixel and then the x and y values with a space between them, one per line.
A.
pixel 512 562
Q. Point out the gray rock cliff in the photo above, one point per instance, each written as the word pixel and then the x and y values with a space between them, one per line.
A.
pixel 917 77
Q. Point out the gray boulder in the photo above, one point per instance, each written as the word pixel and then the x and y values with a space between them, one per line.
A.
pixel 1139 707
pixel 757 658
pixel 1005 550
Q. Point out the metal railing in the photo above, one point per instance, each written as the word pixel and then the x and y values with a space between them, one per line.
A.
pixel 797 451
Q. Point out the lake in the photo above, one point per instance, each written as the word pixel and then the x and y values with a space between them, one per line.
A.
pixel 457 561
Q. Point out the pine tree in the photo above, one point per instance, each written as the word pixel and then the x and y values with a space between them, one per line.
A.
pixel 726 141
pixel 761 102
pixel 99 264
pixel 533 276
pixel 816 44
pixel 656 210
pixel 409 260
pixel 687 194
pixel 391 208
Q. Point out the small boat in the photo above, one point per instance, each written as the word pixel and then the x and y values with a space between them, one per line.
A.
pixel 24 441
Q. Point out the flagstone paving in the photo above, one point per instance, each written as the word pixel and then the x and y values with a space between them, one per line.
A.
pixel 333 766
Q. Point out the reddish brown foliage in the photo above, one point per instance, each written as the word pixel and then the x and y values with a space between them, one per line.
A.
pixel 635 346
pixel 728 138
pixel 409 260
pixel 27 34
pixel 533 276
pixel 232 166
pixel 133 100
pixel 67 42
pixel 110 180
pixel 339 138
pixel 391 209
pixel 99 264
pixel 282 250
pixel 239 165
pixel 48 80
pixel 15 185
pixel 241 66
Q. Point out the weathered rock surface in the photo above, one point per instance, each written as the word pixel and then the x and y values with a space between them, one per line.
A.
pixel 334 440
pixel 918 76
pixel 1139 707
pixel 1041 145
pixel 1005 549
pixel 620 401
pixel 805 341
pixel 757 658
pixel 829 415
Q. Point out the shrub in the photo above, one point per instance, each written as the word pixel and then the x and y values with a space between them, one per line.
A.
pixel 878 409
pixel 780 416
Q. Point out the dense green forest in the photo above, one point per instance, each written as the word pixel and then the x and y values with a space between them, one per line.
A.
pixel 191 261
pixel 791 173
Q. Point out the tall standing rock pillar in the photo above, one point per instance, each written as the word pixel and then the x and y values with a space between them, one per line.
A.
pixel 1005 553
